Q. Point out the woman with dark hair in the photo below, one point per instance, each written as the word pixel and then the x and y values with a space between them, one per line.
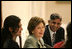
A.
pixel 36 28
pixel 11 29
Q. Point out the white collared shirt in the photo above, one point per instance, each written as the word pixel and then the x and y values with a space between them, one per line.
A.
pixel 51 33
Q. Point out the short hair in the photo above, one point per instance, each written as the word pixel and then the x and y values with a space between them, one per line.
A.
pixel 34 21
pixel 55 16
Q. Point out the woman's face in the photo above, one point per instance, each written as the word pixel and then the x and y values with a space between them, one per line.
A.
pixel 39 30
pixel 19 30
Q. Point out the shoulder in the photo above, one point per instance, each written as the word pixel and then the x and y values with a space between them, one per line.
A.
pixel 10 44
pixel 31 39
pixel 30 42
pixel 46 30
pixel 61 29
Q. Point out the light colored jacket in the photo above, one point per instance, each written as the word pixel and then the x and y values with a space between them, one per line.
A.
pixel 32 42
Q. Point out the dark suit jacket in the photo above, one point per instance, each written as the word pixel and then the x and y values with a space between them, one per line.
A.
pixel 59 36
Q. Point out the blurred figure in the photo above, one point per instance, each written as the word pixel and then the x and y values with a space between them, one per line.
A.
pixel 54 32
pixel 65 44
pixel 68 42
pixel 36 28
pixel 11 29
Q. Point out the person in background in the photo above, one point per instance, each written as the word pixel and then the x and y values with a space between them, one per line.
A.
pixel 36 28
pixel 54 32
pixel 65 44
pixel 11 29
pixel 68 42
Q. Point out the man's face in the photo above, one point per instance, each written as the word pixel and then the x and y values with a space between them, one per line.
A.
pixel 54 24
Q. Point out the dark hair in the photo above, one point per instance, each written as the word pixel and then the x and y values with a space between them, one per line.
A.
pixel 34 21
pixel 11 21
pixel 68 42
pixel 55 16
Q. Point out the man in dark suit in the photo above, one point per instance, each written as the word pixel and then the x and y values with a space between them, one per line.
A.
pixel 54 32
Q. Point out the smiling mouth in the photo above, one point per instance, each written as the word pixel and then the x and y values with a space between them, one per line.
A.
pixel 54 28
pixel 41 33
